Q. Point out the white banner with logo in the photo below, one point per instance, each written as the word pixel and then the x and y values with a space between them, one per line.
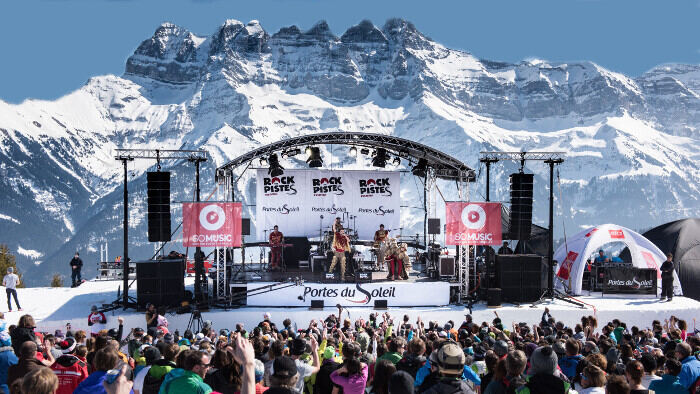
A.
pixel 353 294
pixel 296 200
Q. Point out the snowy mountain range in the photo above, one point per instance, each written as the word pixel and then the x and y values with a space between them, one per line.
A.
pixel 633 144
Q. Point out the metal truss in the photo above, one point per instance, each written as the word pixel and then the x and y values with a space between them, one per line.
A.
pixel 160 154
pixel 518 156
pixel 445 166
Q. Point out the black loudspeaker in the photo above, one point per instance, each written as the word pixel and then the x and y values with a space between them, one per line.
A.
pixel 519 277
pixel 299 250
pixel 447 266
pixel 245 226
pixel 434 226
pixel 160 282
pixel 380 304
pixel 316 304
pixel 521 206
pixel 158 206
pixel 493 297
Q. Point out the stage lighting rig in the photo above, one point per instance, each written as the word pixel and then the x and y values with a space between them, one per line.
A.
pixel 421 168
pixel 353 151
pixel 380 158
pixel 397 161
pixel 364 151
pixel 275 167
pixel 314 160
pixel 291 152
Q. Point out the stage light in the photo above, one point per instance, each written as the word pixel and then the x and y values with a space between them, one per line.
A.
pixel 353 151
pixel 291 152
pixel 380 158
pixel 397 161
pixel 315 160
pixel 421 168
pixel 307 150
pixel 364 151
pixel 275 167
pixel 263 161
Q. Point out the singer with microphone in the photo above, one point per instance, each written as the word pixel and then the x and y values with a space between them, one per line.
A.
pixel 276 240
pixel 341 244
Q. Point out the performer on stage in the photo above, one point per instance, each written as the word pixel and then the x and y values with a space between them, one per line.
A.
pixel 341 244
pixel 276 241
pixel 397 259
pixel 337 226
pixel 379 245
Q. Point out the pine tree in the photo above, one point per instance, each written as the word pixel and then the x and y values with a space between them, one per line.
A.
pixel 7 260
pixel 57 280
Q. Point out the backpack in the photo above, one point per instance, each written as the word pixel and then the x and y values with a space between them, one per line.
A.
pixel 152 385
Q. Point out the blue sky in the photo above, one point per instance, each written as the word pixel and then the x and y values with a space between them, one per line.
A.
pixel 51 47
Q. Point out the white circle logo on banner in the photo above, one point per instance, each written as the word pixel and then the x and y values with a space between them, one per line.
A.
pixel 212 217
pixel 473 217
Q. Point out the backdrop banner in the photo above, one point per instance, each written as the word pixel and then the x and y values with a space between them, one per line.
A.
pixel 473 223
pixel 630 280
pixel 353 294
pixel 296 200
pixel 211 224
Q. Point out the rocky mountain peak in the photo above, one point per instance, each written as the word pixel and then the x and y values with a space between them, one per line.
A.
pixel 364 32
pixel 321 32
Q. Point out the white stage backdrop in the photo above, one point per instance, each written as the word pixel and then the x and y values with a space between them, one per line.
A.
pixel 296 200
pixel 353 294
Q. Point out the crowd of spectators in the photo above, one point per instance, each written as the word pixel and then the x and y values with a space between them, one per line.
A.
pixel 336 355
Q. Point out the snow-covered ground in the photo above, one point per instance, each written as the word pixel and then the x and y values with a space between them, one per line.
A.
pixel 52 308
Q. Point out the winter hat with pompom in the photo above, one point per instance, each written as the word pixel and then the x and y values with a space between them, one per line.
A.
pixel 544 360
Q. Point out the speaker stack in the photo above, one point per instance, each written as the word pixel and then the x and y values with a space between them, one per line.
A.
pixel 520 206
pixel 160 282
pixel 520 277
pixel 158 206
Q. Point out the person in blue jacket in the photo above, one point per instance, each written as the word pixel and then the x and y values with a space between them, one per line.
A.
pixel 105 359
pixel 7 359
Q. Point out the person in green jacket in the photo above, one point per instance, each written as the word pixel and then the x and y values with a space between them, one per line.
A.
pixel 191 378
pixel 395 353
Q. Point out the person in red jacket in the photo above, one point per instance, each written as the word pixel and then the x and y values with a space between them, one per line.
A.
pixel 96 320
pixel 69 369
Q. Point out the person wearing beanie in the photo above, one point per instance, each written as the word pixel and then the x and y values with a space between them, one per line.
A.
pixel 10 281
pixel 401 382
pixel 544 380
pixel 323 383
pixel 151 354
pixel 500 347
pixel 69 369
pixel 7 359
pixel 305 370
pixel 259 373
pixel 159 369
pixel 96 321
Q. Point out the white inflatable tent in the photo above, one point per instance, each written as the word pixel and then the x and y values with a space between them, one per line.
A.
pixel 572 255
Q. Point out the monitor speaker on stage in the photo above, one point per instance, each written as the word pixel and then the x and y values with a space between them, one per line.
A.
pixel 245 226
pixel 380 304
pixel 434 226
pixel 521 206
pixel 158 206
pixel 316 305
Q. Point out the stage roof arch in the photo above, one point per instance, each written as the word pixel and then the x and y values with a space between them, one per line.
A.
pixel 443 165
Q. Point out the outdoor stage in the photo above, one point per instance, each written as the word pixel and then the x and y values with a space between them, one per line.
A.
pixel 73 305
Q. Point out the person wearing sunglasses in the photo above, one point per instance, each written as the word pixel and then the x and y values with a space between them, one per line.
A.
pixel 191 380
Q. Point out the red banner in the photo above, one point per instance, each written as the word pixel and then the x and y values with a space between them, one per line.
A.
pixel 565 267
pixel 616 234
pixel 651 263
pixel 211 224
pixel 473 223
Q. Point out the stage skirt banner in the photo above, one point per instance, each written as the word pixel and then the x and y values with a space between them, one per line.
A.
pixel 473 223
pixel 296 200
pixel 211 224
pixel 630 280
pixel 353 294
